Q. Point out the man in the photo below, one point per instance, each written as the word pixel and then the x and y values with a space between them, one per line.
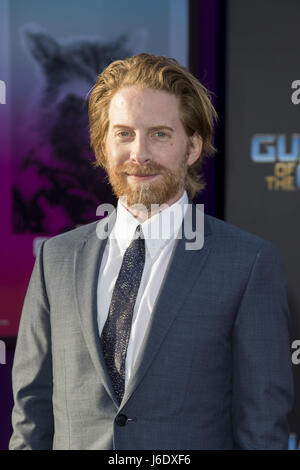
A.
pixel 133 341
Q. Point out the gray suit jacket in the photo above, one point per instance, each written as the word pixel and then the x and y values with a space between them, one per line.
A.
pixel 214 370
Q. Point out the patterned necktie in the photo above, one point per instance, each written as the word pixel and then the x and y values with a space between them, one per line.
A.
pixel 116 330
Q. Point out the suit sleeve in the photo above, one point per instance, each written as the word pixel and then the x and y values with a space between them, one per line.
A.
pixel 262 370
pixel 32 416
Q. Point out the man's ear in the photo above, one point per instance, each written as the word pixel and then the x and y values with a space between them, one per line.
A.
pixel 194 148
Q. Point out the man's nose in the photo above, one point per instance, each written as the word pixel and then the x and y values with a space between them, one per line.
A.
pixel 139 151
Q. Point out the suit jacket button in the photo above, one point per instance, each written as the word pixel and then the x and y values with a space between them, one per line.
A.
pixel 121 420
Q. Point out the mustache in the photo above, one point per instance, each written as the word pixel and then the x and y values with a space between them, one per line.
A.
pixel 151 169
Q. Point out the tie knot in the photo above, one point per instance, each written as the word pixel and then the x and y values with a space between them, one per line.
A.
pixel 139 232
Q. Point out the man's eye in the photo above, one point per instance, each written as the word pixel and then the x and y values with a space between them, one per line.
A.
pixel 123 134
pixel 160 134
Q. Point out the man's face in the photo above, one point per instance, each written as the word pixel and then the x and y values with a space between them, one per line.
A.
pixel 147 151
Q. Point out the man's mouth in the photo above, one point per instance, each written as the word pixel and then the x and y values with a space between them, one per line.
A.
pixel 134 177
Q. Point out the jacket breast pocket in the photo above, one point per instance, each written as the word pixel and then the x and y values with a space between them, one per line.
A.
pixel 206 331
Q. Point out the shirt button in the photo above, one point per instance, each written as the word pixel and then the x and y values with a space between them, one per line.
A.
pixel 121 420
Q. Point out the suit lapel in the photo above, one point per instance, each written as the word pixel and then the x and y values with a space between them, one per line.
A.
pixel 184 268
pixel 86 272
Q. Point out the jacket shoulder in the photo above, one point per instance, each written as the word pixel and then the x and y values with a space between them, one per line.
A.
pixel 69 241
pixel 229 236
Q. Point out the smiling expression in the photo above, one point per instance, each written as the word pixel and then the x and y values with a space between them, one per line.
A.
pixel 147 149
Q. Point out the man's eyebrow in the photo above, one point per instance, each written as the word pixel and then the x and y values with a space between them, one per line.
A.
pixel 157 128
pixel 154 128
pixel 117 126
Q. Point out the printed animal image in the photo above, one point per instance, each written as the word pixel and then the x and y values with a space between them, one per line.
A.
pixel 56 188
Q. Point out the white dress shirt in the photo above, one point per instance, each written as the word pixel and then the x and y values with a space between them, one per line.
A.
pixel 160 236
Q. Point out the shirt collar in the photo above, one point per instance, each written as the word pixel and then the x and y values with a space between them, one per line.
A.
pixel 157 230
